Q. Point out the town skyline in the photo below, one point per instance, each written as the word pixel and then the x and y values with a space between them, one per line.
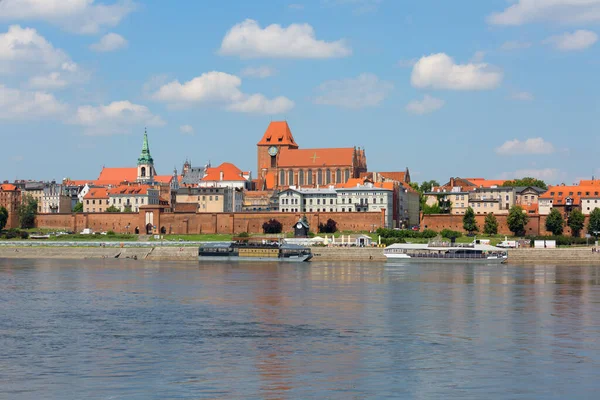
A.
pixel 493 90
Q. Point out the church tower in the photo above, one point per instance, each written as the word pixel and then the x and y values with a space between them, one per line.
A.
pixel 145 164
pixel 277 137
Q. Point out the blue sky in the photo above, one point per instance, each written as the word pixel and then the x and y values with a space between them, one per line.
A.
pixel 495 89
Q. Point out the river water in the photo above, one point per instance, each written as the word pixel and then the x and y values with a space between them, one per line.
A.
pixel 124 329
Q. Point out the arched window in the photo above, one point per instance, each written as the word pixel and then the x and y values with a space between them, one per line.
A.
pixel 346 175
pixel 301 177
pixel 319 177
pixel 282 178
pixel 338 176
pixel 310 177
pixel 143 172
pixel 328 176
pixel 290 177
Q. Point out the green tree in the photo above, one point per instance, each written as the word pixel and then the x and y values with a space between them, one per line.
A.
pixel 77 208
pixel 555 222
pixel 490 226
pixel 527 181
pixel 329 227
pixel 272 226
pixel 27 211
pixel 576 222
pixel 3 217
pixel 469 222
pixel 517 220
pixel 594 223
pixel 427 185
pixel 127 208
pixel 113 209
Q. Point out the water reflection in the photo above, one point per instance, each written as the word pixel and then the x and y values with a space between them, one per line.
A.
pixel 149 330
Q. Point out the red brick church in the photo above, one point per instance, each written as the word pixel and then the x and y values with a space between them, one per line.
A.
pixel 282 163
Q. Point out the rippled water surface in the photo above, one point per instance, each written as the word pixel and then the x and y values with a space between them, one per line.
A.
pixel 124 329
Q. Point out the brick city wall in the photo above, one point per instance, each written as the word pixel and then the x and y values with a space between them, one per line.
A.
pixel 192 223
pixel 536 225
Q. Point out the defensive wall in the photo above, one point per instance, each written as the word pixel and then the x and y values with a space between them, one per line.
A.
pixel 536 225
pixel 197 223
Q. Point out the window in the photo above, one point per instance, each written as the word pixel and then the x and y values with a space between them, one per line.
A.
pixel 87 202
pixel 310 201
pixel 346 175
pixel 338 176
pixel 343 209
pixel 93 201
pixel 119 200
pixel 136 200
pixel 328 176
pixel 143 174
pixel 330 201
pixel 319 177
pixel 301 177
pixel 93 210
pixel 210 198
pixel 282 178
pixel 310 177
pixel 318 201
pixel 290 177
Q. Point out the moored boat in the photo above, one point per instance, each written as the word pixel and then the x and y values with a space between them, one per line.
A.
pixel 253 249
pixel 446 252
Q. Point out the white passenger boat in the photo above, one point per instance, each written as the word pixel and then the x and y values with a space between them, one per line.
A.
pixel 446 252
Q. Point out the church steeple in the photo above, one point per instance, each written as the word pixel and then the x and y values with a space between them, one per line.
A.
pixel 146 171
pixel 145 157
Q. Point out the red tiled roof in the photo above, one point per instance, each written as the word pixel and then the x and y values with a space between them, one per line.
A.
pixel 531 208
pixel 78 182
pixel 315 158
pixel 7 187
pixel 486 183
pixel 278 133
pixel 230 173
pixel 97 193
pixel 396 176
pixel 560 193
pixel 130 190
pixel 115 176
pixel 162 178
pixel 186 207
pixel 590 182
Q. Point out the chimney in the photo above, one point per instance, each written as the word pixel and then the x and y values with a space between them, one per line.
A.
pixel 221 175
pixel 451 182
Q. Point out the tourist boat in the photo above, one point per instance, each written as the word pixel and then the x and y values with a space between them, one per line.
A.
pixel 446 252
pixel 253 249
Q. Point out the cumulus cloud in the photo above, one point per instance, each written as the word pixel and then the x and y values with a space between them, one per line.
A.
pixel 117 117
pixel 562 11
pixel 79 16
pixel 529 146
pixel 427 105
pixel 258 72
pixel 187 129
pixel 24 105
pixel 545 174
pixel 51 81
pixel 578 40
pixel 366 90
pixel 221 88
pixel 248 40
pixel 523 96
pixel 439 71
pixel 109 42
pixel 515 45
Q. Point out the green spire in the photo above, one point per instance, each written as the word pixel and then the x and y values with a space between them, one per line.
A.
pixel 145 157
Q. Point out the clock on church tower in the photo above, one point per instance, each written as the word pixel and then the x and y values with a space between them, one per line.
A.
pixel 273 150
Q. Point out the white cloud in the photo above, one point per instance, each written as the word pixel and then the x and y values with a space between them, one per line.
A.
pixel 23 105
pixel 248 40
pixel 427 105
pixel 477 57
pixel 110 42
pixel 258 72
pixel 529 146
pixel 439 71
pixel 578 40
pixel 257 103
pixel 187 129
pixel 523 96
pixel 79 16
pixel 220 87
pixel 51 81
pixel 545 174
pixel 366 90
pixel 115 118
pixel 23 49
pixel 515 45
pixel 562 11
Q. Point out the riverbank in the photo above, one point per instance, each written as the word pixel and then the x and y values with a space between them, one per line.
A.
pixel 149 251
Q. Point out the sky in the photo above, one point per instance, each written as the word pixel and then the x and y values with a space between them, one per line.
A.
pixel 496 89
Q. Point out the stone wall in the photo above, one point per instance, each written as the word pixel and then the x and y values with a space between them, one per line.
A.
pixel 196 223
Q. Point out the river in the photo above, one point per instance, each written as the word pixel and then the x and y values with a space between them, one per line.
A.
pixel 125 329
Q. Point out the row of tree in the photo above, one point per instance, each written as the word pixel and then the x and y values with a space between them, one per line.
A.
pixel 26 211
pixel 274 226
pixel 111 209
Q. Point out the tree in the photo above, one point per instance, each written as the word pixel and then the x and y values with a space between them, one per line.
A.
pixel 491 225
pixel 427 185
pixel 3 217
pixel 78 207
pixel 555 222
pixel 127 208
pixel 113 209
pixel 329 227
pixel 576 222
pixel 272 226
pixel 469 222
pixel 527 181
pixel 450 234
pixel 27 211
pixel 517 220
pixel 594 223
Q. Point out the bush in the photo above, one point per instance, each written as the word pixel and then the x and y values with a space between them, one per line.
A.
pixel 450 234
pixel 389 241
pixel 560 240
pixel 10 234
pixel 244 235
pixel 110 233
pixel 24 234
pixel 405 233
pixel 329 227
pixel 272 226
